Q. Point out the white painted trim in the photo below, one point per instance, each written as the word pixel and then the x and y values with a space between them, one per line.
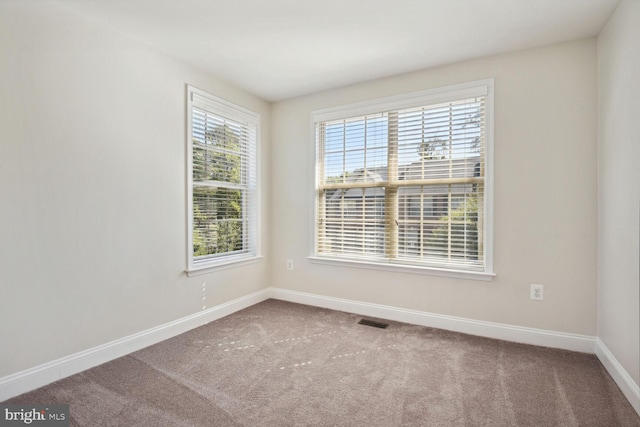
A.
pixel 489 174
pixel 520 334
pixel 403 268
pixel 226 262
pixel 30 379
pixel 627 385
pixel 407 100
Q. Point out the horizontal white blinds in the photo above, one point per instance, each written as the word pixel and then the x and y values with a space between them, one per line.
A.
pixel 404 186
pixel 223 184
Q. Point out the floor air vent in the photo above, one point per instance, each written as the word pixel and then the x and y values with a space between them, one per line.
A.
pixel 372 323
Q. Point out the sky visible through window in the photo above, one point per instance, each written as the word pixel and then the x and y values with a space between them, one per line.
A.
pixel 444 132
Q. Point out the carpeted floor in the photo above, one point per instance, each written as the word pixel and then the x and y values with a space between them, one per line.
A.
pixel 283 364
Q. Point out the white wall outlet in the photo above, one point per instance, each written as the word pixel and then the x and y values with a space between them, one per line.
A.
pixel 289 264
pixel 537 292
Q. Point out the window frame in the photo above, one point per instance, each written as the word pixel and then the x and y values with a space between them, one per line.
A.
pixel 250 120
pixel 415 99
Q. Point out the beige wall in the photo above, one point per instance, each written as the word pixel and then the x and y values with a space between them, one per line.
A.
pixel 619 186
pixel 545 194
pixel 92 186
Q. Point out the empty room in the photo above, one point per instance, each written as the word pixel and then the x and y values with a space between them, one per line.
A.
pixel 287 213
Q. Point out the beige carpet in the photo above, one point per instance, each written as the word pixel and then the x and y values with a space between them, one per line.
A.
pixel 284 364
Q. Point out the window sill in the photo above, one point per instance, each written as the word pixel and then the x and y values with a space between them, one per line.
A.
pixel 411 269
pixel 218 265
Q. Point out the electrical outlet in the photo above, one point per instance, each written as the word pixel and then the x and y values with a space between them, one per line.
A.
pixel 289 264
pixel 537 292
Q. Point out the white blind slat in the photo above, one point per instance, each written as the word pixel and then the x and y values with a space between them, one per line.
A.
pixel 430 213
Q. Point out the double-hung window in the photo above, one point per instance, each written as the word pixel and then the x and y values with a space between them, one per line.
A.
pixel 222 196
pixel 406 181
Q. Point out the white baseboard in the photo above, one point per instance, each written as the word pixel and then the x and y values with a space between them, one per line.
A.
pixel 540 337
pixel 561 340
pixel 30 379
pixel 629 388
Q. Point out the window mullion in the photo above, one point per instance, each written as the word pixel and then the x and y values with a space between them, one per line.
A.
pixel 322 194
pixel 391 192
pixel 480 220
pixel 480 189
pixel 421 224
pixel 449 197
pixel 450 225
pixel 344 152
pixel 363 222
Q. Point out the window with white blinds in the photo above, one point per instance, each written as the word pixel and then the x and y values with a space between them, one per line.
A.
pixel 222 141
pixel 405 180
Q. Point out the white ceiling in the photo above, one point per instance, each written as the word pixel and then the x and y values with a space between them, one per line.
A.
pixel 279 49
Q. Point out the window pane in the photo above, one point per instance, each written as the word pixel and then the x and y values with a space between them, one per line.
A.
pixel 334 137
pixel 438 222
pixel 355 150
pixel 218 156
pixel 354 222
pixel 217 221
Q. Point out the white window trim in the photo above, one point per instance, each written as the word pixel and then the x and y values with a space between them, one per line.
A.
pixel 402 268
pixel 431 96
pixel 234 112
